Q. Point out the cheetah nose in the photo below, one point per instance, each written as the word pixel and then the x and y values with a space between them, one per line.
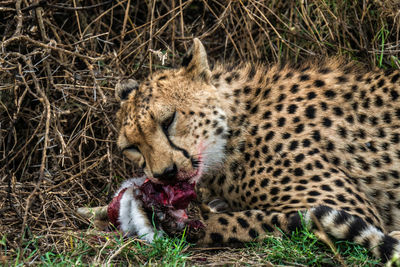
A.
pixel 169 174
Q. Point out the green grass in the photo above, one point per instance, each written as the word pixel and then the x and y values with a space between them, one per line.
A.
pixel 301 248
pixel 305 248
pixel 95 250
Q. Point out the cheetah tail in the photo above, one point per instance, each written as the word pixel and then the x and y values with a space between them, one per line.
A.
pixel 342 225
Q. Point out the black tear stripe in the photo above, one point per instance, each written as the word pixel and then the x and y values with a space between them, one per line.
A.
pixel 184 152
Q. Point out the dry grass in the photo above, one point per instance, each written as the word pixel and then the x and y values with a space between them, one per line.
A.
pixel 59 62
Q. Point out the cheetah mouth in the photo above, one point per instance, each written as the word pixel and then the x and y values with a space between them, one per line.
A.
pixel 192 176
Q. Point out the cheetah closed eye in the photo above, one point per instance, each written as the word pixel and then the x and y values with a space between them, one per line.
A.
pixel 322 139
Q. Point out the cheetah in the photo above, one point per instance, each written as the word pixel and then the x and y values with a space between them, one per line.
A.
pixel 283 145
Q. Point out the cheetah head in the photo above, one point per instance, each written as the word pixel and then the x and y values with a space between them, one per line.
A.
pixel 172 125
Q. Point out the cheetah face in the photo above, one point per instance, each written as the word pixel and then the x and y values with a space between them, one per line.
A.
pixel 172 125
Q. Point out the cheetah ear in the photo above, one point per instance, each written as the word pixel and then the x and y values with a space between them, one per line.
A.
pixel 124 88
pixel 195 62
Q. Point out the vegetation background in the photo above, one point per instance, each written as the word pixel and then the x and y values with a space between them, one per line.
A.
pixel 59 62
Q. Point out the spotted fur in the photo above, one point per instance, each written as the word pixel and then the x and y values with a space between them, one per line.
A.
pixel 321 140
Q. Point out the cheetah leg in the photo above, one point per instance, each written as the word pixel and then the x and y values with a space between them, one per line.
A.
pixel 251 225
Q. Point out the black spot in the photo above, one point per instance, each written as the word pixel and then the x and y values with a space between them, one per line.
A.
pixel 348 96
pixel 267 114
pixel 330 94
pixel 387 118
pixel 318 164
pixel 304 77
pixel 299 157
pixel 275 77
pixel 294 89
pixel 316 178
pixel 349 119
pixel 293 145
pixel 342 79
pixel 326 122
pixel 254 130
pixel 306 143
pixel 277 172
pixel 278 107
pixel 269 136
pixel 342 132
pixel 221 180
pixel 292 109
pixel 281 97
pixel 395 78
pixel 246 90
pixel 341 198
pixel 223 221
pixel 319 83
pixel 281 122
pixel 243 223
pixel 326 188
pixel 381 82
pixel 325 70
pixel 285 180
pixel 219 130
pixel 378 101
pixel 316 135
pixel 264 182
pixel 314 193
pixel 299 128
pixel 274 191
pixel 228 79
pixel 286 135
pixel 338 111
pixel 278 147
pixel 216 238
pixel 298 172
pixel 395 138
pixel 310 112
pixel 253 233
pixel 329 201
pixel 254 109
pixel 252 183
pixel 311 95
pixel 330 146
pixel 394 94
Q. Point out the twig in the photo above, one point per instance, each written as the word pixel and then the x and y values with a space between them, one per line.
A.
pixel 44 3
pixel 26 38
pixel 19 18
pixel 116 253
pixel 47 108
pixel 76 175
